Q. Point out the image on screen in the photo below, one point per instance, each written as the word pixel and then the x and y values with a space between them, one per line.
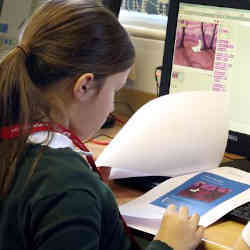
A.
pixel 196 44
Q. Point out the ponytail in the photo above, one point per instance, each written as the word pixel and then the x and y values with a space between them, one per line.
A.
pixel 20 103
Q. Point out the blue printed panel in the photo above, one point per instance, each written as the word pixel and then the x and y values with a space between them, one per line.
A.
pixel 201 193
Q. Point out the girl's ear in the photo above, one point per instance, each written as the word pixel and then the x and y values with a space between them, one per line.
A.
pixel 83 86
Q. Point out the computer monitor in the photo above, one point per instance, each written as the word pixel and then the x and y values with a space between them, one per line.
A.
pixel 113 5
pixel 207 47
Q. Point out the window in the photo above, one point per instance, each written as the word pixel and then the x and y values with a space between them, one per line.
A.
pixel 157 7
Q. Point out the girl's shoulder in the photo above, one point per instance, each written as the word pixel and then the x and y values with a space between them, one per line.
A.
pixel 59 170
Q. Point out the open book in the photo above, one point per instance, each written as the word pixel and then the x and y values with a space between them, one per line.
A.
pixel 171 135
pixel 183 136
pixel 211 194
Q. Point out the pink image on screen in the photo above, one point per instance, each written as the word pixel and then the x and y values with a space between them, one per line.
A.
pixel 195 44
pixel 204 192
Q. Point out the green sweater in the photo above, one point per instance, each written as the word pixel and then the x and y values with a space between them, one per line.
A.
pixel 63 206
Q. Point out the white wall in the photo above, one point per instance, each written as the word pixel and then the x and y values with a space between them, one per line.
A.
pixel 149 54
pixel 14 14
pixel 148 35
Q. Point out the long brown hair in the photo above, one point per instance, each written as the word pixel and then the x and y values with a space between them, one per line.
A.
pixel 62 40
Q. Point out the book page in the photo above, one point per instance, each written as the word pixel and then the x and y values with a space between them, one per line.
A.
pixel 211 194
pixel 171 135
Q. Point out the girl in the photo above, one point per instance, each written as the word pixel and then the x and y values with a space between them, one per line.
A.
pixel 57 86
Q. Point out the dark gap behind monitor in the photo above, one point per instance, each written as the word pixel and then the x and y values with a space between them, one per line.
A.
pixel 114 6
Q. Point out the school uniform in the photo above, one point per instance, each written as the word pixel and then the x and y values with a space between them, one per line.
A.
pixel 64 205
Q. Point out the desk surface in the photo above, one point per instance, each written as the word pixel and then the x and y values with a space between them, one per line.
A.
pixel 221 235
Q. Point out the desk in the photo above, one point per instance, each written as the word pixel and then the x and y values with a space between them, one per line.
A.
pixel 221 235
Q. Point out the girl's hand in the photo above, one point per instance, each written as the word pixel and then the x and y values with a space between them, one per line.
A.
pixel 179 230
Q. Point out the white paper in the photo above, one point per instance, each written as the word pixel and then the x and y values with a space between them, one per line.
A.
pixel 142 215
pixel 171 135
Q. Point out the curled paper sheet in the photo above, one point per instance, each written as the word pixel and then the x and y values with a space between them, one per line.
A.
pixel 171 135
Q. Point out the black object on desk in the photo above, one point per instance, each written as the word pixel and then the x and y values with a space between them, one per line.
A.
pixel 144 183
pixel 242 213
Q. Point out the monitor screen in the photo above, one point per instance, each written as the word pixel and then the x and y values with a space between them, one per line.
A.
pixel 207 48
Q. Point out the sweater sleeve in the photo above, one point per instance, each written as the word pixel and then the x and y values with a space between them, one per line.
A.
pixel 67 221
pixel 158 245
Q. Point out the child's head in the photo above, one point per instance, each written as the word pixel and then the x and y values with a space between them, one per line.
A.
pixel 66 38
pixel 65 43
pixel 71 58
